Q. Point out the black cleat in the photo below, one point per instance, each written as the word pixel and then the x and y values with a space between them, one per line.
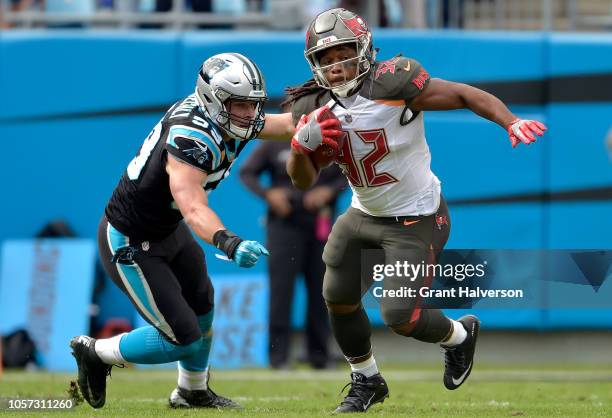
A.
pixel 184 398
pixel 459 359
pixel 92 370
pixel 364 392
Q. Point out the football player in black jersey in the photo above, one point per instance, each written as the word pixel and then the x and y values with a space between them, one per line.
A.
pixel 144 239
pixel 397 204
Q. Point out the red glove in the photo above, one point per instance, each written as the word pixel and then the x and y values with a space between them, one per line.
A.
pixel 522 130
pixel 320 127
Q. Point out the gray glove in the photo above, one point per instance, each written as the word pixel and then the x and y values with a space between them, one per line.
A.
pixel 315 129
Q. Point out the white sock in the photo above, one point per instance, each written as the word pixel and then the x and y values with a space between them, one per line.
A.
pixel 367 368
pixel 192 380
pixel 458 335
pixel 108 349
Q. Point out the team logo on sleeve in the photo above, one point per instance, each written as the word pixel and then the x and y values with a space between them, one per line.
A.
pixel 198 153
pixel 386 66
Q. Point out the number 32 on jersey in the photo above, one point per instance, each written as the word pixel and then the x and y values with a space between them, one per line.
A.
pixel 362 172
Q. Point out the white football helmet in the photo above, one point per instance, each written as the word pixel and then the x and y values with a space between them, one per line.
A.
pixel 231 76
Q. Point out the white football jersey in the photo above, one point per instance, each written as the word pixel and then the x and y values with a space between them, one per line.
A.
pixel 385 155
pixel 387 162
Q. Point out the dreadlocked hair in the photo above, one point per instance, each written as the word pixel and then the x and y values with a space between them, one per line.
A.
pixel 307 88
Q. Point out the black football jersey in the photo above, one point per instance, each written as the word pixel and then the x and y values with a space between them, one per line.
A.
pixel 142 206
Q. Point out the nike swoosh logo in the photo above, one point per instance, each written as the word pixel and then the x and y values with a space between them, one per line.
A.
pixel 462 377
pixel 307 137
pixel 407 222
pixel 367 404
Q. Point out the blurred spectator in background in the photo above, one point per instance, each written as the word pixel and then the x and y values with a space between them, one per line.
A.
pixel 313 7
pixel 209 6
pixel 73 7
pixel 422 14
pixel 452 13
pixel 298 224
pixel 14 6
pixel 235 7
pixel 361 8
pixel 414 13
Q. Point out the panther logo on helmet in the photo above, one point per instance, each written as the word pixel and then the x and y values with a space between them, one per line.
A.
pixel 213 65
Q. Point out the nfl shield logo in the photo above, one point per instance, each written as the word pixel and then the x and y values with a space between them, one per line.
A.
pixel 348 118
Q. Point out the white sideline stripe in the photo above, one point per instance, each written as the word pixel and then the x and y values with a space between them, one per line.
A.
pixel 161 322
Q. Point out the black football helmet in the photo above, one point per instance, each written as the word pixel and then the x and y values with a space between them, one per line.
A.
pixel 336 27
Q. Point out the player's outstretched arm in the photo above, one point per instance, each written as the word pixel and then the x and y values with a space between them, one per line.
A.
pixel 277 127
pixel 186 188
pixel 447 95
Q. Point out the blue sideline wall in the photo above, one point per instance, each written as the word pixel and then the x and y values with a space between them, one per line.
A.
pixel 75 106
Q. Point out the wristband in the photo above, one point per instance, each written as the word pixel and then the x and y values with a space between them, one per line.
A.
pixel 227 242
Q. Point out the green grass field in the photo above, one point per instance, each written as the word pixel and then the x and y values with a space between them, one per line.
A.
pixel 491 391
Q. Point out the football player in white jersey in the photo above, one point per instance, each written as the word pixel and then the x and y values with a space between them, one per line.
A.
pixel 397 202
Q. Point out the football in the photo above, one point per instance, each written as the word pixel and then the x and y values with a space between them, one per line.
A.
pixel 324 155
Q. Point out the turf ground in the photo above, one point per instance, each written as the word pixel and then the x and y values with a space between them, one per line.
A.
pixel 555 390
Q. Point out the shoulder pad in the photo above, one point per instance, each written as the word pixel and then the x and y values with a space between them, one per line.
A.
pixel 399 78
pixel 194 146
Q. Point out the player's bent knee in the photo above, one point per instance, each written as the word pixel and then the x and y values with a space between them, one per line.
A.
pixel 399 321
pixel 186 331
pixel 405 328
pixel 340 308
